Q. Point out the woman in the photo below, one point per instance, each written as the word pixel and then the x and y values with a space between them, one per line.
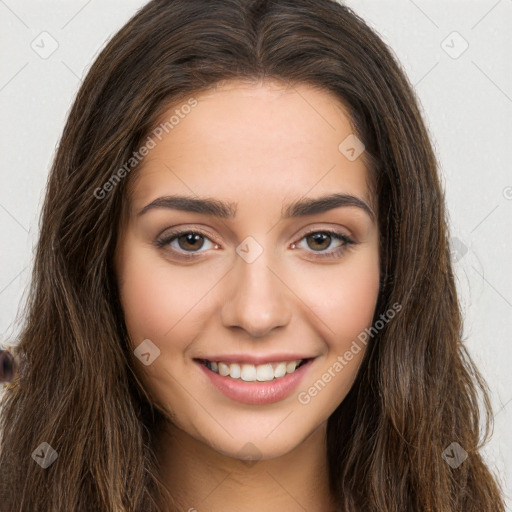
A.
pixel 255 370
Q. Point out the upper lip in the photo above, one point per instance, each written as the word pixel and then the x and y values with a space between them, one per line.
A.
pixel 255 360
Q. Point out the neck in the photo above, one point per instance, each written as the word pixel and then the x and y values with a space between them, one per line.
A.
pixel 203 480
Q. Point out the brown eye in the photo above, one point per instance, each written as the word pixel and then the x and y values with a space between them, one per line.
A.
pixel 190 241
pixel 185 244
pixel 320 241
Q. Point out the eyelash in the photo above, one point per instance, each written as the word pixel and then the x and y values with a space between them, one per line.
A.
pixel 339 251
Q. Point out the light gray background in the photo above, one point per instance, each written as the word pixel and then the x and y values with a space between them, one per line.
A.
pixel 466 97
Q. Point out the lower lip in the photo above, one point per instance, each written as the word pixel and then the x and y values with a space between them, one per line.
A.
pixel 257 393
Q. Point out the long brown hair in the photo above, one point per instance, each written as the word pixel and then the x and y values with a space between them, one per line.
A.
pixel 417 391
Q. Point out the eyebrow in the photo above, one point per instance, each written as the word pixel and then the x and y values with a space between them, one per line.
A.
pixel 227 210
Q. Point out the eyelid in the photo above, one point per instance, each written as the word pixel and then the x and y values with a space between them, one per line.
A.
pixel 339 230
pixel 173 231
pixel 163 240
pixel 335 233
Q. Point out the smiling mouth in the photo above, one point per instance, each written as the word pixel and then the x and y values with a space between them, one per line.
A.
pixel 250 372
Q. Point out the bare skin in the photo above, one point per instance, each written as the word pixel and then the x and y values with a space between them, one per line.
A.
pixel 259 146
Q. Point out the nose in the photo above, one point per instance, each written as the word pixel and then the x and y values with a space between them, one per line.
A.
pixel 257 298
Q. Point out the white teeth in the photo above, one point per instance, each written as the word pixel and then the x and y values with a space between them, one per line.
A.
pixel 234 370
pixel 264 372
pixel 250 372
pixel 290 367
pixel 223 369
pixel 280 370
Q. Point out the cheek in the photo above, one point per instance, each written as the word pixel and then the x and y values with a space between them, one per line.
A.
pixel 158 298
pixel 346 302
pixel 146 295
pixel 346 310
pixel 143 298
pixel 356 305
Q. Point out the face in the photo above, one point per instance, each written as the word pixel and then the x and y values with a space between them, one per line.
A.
pixel 249 284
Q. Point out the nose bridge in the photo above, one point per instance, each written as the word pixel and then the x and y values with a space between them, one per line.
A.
pixel 256 300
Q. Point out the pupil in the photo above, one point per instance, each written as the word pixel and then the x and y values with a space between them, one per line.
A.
pixel 318 238
pixel 191 238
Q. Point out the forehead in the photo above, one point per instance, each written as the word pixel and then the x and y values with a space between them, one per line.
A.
pixel 254 144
